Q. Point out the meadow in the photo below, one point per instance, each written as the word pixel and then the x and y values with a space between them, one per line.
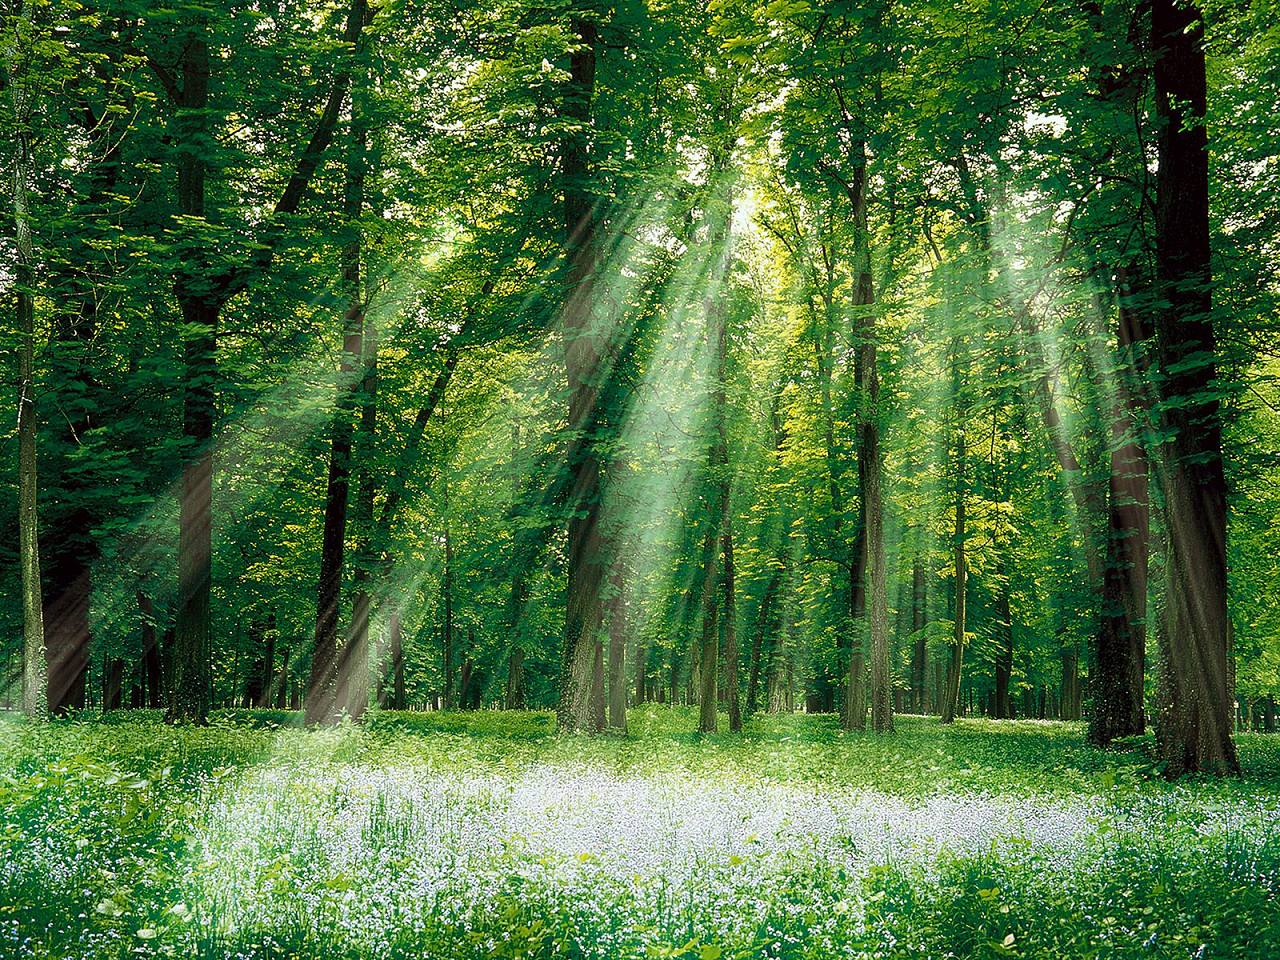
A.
pixel 454 835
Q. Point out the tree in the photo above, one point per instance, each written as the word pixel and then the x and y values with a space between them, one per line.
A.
pixel 19 63
pixel 1195 733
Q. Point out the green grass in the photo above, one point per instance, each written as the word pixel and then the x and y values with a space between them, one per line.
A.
pixel 489 835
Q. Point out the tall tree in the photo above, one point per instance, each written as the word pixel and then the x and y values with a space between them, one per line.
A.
pixel 1196 731
pixel 19 55
pixel 584 366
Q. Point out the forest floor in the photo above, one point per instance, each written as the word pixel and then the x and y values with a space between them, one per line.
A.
pixel 488 835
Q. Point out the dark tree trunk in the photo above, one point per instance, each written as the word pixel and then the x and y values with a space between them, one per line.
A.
pixel 1004 660
pixel 1120 649
pixel 731 632
pixel 870 466
pixel 446 634
pixel 641 657
pixel 920 646
pixel 583 359
pixel 266 679
pixel 399 701
pixel 618 649
pixel 1197 735
pixel 35 674
pixel 191 678
pixel 951 695
pixel 709 648
pixel 515 695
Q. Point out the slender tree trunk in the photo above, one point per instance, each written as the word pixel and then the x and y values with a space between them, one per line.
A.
pixel 447 657
pixel 731 632
pixel 1004 661
pixel 951 695
pixel 583 358
pixel 849 635
pixel 35 692
pixel 920 645
pixel 870 473
pixel 1121 643
pixel 191 678
pixel 515 698
pixel 322 688
pixel 640 655
pixel 709 649
pixel 354 664
pixel 1197 736
pixel 618 649
pixel 329 685
pixel 267 677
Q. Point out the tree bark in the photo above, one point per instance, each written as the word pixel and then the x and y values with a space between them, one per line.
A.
pixel 951 694
pixel 1004 660
pixel 191 678
pixel 618 649
pixel 1197 734
pixel 1120 650
pixel 709 649
pixel 920 645
pixel 583 358
pixel 35 692
pixel 730 631
pixel 870 470
pixel 446 653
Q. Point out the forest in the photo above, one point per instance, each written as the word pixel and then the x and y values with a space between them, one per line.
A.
pixel 656 478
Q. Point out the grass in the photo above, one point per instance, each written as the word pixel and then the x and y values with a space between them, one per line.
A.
pixel 489 835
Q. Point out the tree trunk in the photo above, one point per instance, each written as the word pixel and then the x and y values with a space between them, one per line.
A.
pixel 1004 660
pixel 1197 736
pixel 920 647
pixel 191 679
pixel 618 649
pixel 395 642
pixel 515 697
pixel 870 470
pixel 35 692
pixel 951 695
pixel 267 677
pixel 329 686
pixel 1120 649
pixel 583 359
pixel 447 657
pixel 730 631
pixel 640 655
pixel 709 649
